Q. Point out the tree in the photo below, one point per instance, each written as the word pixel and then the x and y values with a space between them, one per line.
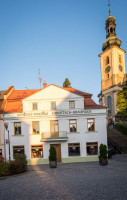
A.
pixel 122 101
pixel 66 83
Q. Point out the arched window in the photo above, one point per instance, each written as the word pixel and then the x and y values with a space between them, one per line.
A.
pixel 120 59
pixel 109 103
pixel 107 60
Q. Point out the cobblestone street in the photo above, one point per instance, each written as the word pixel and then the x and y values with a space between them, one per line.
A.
pixel 69 181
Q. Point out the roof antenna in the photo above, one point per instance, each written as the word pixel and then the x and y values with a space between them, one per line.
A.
pixel 109 7
pixel 40 79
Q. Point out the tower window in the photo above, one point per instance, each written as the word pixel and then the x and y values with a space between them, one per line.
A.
pixel 111 30
pixel 108 76
pixel 107 60
pixel 109 103
pixel 120 59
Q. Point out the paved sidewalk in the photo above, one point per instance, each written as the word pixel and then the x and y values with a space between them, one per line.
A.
pixel 77 181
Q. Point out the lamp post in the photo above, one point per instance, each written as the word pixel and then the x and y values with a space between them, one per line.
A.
pixel 6 127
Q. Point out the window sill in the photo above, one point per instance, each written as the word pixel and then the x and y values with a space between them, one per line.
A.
pixel 91 132
pixel 92 155
pixel 73 132
pixel 35 134
pixel 17 135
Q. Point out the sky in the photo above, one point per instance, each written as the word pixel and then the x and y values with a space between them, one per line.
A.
pixel 62 38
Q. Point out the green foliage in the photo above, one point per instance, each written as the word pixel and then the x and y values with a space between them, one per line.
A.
pixel 52 154
pixel 66 83
pixel 4 168
pixel 103 151
pixel 16 166
pixel 121 127
pixel 122 102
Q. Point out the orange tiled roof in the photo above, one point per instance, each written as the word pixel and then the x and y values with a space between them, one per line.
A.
pixel 89 103
pixel 78 92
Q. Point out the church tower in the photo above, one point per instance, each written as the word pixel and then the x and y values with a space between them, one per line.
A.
pixel 112 61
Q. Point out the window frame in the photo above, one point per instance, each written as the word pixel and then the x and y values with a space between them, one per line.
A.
pixel 90 123
pixel 88 144
pixel 35 126
pixel 54 105
pixel 54 126
pixel 16 148
pixel 71 107
pixel 33 105
pixel 73 123
pixel 37 147
pixel 17 127
pixel 78 145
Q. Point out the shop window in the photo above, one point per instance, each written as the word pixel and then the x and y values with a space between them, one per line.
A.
pixel 74 149
pixel 36 151
pixel 35 107
pixel 17 128
pixel 91 125
pixel 35 127
pixel 92 148
pixel 18 150
pixel 73 126
pixel 53 105
pixel 71 104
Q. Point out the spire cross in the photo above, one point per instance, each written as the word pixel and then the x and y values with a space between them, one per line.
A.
pixel 109 7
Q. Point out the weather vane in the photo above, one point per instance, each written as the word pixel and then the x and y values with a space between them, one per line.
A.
pixel 109 7
pixel 40 79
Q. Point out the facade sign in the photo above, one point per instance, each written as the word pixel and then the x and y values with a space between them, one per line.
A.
pixel 57 113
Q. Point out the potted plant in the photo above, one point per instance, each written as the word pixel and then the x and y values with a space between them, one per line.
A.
pixel 103 155
pixel 52 157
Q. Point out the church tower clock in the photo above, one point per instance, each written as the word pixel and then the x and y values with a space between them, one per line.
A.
pixel 112 61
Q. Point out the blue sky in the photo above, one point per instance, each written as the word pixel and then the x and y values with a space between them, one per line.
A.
pixel 61 37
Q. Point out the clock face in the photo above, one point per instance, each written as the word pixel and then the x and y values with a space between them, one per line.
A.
pixel 107 70
pixel 120 68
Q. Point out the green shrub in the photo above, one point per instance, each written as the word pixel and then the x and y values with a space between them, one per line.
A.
pixel 4 169
pixel 19 164
pixel 52 154
pixel 103 151
pixel 121 127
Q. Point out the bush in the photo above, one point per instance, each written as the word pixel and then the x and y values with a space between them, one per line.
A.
pixel 4 169
pixel 121 127
pixel 52 154
pixel 103 151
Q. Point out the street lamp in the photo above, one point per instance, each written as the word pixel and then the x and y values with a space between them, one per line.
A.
pixel 6 127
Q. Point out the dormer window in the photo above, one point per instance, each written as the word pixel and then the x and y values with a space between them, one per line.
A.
pixel 71 104
pixel 35 106
pixel 53 105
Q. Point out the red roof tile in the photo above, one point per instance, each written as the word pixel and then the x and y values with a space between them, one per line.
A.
pixel 78 92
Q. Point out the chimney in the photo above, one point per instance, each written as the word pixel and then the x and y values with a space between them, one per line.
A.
pixel 44 84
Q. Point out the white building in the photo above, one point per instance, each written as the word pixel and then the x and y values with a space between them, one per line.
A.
pixel 65 118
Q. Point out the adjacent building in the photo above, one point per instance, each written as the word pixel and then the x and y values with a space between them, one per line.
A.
pixel 65 118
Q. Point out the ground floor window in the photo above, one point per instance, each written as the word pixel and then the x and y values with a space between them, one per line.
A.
pixel 18 150
pixel 92 148
pixel 74 149
pixel 36 151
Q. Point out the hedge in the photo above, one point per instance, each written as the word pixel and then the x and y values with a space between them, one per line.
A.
pixel 121 127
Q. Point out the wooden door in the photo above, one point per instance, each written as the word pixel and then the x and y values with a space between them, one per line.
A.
pixel 58 151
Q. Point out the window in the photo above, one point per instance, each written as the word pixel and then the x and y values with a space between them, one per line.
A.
pixel 54 126
pixel 74 149
pixel 35 126
pixel 18 150
pixel 35 106
pixel 91 125
pixel 17 128
pixel 107 60
pixel 92 148
pixel 71 104
pixel 73 125
pixel 120 59
pixel 53 105
pixel 36 151
pixel 109 103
